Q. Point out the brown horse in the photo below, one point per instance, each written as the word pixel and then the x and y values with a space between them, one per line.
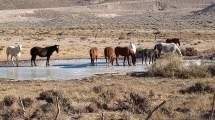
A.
pixel 126 52
pixel 94 54
pixel 173 40
pixel 109 55
pixel 149 53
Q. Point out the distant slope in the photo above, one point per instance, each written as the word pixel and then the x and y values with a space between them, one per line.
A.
pixel 209 10
pixel 30 4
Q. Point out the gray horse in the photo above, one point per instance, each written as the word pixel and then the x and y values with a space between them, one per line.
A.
pixel 167 48
pixel 149 53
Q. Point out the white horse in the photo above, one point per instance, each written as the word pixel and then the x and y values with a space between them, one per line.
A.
pixel 133 47
pixel 167 47
pixel 14 51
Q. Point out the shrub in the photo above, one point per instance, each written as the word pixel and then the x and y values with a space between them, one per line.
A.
pixel 172 66
pixel 141 104
pixel 198 87
pixel 92 107
pixel 190 51
pixel 9 100
pixel 27 102
pixel 50 96
pixel 12 114
pixel 107 96
pixel 211 69
pixel 135 103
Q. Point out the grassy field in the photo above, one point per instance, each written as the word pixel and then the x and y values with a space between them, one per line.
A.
pixel 114 92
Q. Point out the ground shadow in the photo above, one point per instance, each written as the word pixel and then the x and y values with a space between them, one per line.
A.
pixel 84 65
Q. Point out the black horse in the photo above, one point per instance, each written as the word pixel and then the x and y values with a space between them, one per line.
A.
pixel 43 52
pixel 173 40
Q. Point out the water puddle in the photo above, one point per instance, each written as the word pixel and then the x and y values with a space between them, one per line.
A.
pixel 69 69
pixel 64 70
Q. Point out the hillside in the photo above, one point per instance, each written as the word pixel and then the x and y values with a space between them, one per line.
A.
pixel 160 14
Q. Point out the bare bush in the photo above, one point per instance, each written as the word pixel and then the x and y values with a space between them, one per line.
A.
pixel 9 100
pixel 190 51
pixel 198 87
pixel 50 96
pixel 135 103
pixel 172 66
pixel 27 102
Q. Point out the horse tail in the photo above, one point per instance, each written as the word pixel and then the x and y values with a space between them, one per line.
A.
pixel 7 50
pixel 155 47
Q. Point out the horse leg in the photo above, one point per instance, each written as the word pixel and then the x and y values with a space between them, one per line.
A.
pixel 7 56
pixel 128 61
pixel 146 60
pixel 91 60
pixel 124 61
pixel 106 59
pixel 34 59
pixel 12 59
pixel 17 62
pixel 96 59
pixel 150 59
pixel 117 60
pixel 142 58
pixel 47 61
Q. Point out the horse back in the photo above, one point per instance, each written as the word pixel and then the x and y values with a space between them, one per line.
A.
pixel 123 51
pixel 94 52
pixel 108 52
pixel 42 52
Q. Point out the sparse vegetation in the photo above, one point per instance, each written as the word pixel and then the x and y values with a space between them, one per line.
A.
pixel 190 51
pixel 9 100
pixel 172 66
pixel 198 87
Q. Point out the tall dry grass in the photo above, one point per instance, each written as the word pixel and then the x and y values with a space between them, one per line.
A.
pixel 172 66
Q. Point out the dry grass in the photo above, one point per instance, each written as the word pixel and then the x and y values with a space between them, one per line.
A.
pixel 117 96
pixel 172 66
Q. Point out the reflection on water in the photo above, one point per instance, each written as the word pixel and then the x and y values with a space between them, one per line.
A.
pixel 64 70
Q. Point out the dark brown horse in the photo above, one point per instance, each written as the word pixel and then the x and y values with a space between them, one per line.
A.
pixel 126 52
pixel 173 40
pixel 94 54
pixel 109 55
pixel 43 52
pixel 149 53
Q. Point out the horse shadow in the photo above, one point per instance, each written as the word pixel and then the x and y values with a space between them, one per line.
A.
pixel 84 65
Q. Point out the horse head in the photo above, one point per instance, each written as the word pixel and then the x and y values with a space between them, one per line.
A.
pixel 20 47
pixel 57 48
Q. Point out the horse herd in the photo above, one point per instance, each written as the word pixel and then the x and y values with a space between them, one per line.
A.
pixel 109 53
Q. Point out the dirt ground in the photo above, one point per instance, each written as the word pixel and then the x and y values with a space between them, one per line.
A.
pixel 76 43
pixel 82 92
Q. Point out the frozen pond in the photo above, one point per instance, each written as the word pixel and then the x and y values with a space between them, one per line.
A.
pixel 69 69
pixel 63 70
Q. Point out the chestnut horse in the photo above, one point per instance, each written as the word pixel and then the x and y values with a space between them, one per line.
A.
pixel 173 40
pixel 126 52
pixel 109 55
pixel 94 54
